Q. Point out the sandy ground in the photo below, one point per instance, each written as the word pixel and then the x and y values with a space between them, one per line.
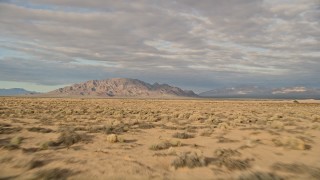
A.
pixel 47 138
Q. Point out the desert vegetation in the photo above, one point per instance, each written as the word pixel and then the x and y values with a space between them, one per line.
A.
pixel 59 138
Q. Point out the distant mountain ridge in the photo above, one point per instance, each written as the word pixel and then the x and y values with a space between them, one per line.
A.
pixel 121 87
pixel 15 91
pixel 298 92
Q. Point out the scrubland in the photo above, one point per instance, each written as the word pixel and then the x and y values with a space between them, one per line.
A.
pixel 48 138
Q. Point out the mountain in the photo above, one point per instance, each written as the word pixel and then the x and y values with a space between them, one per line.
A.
pixel 121 87
pixel 262 92
pixel 15 91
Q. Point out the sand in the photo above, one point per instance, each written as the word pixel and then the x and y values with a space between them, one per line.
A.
pixel 48 138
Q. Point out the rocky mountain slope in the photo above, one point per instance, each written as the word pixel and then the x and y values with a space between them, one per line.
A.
pixel 121 87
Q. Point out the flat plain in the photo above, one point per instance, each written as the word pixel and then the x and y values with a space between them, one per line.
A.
pixel 60 138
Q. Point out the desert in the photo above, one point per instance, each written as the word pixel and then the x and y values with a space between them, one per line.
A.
pixel 97 138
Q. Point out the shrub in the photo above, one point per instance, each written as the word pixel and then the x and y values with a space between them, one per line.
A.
pixel 224 158
pixel 260 176
pixel 113 138
pixel 182 135
pixel 190 160
pixel 165 145
pixel 291 143
pixel 39 129
pixel 54 174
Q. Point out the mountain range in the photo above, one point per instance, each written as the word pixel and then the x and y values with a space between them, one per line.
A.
pixel 126 87
pixel 263 92
pixel 15 91
pixel 121 87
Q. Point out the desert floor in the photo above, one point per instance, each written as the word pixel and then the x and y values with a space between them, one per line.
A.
pixel 48 138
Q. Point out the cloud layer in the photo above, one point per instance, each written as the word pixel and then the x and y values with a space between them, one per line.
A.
pixel 193 44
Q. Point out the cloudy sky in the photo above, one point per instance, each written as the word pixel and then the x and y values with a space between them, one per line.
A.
pixel 199 45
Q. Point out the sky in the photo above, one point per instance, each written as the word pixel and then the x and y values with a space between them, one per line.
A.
pixel 197 45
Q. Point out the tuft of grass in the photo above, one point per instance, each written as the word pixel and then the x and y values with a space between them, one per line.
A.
pixel 297 168
pixel 68 138
pixel 190 160
pixel 165 145
pixel 291 143
pixel 182 135
pixel 113 138
pixel 260 176
pixel 224 157
pixel 226 153
pixel 54 174
pixel 16 140
pixel 40 130
pixel 277 125
pixel 35 164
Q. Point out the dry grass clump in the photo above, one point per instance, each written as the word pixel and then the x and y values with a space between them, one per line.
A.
pixel 207 132
pixel 7 129
pixel 165 145
pixel 36 164
pixel 190 160
pixel 182 135
pixel 226 153
pixel 67 138
pixel 196 117
pixel 260 176
pixel 297 168
pixel 14 143
pixel 113 138
pixel 291 143
pixel 145 126
pixel 40 130
pixel 277 125
pixel 223 126
pixel 53 174
pixel 224 158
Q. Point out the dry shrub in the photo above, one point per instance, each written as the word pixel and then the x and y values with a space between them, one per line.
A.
pixel 226 153
pixel 223 126
pixel 207 132
pixel 291 143
pixel 36 164
pixel 190 160
pixel 224 157
pixel 196 117
pixel 297 168
pixel 260 176
pixel 67 138
pixel 53 174
pixel 113 138
pixel 7 129
pixel 13 144
pixel 165 145
pixel 145 126
pixel 182 135
pixel 40 130
pixel 277 124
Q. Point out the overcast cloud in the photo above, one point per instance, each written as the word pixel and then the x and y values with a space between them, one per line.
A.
pixel 197 45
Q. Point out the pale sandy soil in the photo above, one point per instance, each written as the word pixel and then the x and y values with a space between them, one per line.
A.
pixel 227 139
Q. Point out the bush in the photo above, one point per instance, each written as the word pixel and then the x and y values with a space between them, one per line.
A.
pixel 260 176
pixel 39 129
pixel 190 160
pixel 165 145
pixel 291 143
pixel 54 174
pixel 182 135
pixel 113 138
